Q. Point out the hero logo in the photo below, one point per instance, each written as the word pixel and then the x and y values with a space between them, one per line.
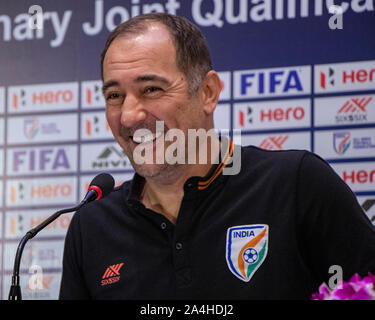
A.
pixel 272 82
pixel 245 114
pixel 361 176
pixel 345 76
pixel 274 142
pixel 92 94
pixel 41 160
pixel 95 126
pixel 270 115
pixel 18 192
pixel 40 98
pixel 353 110
pixel 358 176
pixel 41 191
pixel 327 78
pixel 43 97
pixel 20 223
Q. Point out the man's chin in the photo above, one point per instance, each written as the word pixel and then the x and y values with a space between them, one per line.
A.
pixel 151 170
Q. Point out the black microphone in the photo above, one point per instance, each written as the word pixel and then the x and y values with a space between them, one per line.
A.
pixel 99 187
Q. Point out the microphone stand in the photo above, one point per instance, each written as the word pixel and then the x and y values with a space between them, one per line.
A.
pixel 15 289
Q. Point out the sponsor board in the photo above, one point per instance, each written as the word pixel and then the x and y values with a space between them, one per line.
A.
pixel 222 117
pixel 41 191
pixel 2 130
pixel 2 100
pixel 358 176
pixel 272 114
pixel 347 76
pixel 94 126
pixel 345 143
pixel 85 181
pixel 272 82
pixel 1 194
pixel 279 141
pixel 226 90
pixel 43 97
pixel 91 94
pixel 42 160
pixel 46 254
pixel 103 156
pixel 46 128
pixel 2 163
pixel 17 223
pixel 344 110
pixel 36 284
pixel 368 205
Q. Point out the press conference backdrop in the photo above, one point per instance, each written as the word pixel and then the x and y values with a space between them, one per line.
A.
pixel 294 75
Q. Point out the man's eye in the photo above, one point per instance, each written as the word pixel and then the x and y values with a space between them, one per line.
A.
pixel 151 90
pixel 114 98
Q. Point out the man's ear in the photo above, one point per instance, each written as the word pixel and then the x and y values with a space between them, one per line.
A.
pixel 210 90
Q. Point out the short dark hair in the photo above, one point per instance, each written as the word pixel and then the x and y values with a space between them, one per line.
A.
pixel 192 54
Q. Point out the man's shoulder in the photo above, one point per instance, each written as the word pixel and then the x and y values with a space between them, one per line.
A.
pixel 282 164
pixel 252 154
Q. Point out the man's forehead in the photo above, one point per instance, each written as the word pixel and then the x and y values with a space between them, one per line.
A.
pixel 146 45
pixel 152 53
pixel 151 35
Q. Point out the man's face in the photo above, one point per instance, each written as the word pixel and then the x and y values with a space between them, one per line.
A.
pixel 142 84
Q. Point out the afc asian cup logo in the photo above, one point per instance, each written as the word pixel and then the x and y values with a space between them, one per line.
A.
pixel 246 249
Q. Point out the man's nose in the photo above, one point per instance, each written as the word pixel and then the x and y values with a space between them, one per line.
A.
pixel 132 112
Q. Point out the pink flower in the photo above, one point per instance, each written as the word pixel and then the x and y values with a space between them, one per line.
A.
pixel 355 289
pixel 324 293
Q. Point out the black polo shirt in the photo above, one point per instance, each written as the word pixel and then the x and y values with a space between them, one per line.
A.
pixel 270 232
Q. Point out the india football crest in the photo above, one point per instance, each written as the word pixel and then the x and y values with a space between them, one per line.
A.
pixel 246 249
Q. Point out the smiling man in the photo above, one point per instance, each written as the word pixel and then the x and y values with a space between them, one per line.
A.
pixel 143 82
pixel 187 230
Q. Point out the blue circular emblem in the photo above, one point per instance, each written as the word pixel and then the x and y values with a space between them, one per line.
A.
pixel 250 255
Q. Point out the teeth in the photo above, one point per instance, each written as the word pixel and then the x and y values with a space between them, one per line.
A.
pixel 146 138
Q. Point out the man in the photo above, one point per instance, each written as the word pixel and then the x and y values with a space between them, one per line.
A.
pixel 189 231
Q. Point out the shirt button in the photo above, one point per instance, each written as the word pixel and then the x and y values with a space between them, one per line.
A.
pixel 163 226
pixel 178 245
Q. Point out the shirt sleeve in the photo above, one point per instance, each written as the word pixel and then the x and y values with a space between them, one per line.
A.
pixel 72 285
pixel 332 227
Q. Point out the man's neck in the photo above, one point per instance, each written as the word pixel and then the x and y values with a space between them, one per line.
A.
pixel 165 195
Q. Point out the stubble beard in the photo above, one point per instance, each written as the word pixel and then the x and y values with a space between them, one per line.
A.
pixel 159 172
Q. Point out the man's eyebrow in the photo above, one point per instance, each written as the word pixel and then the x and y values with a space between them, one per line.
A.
pixel 152 77
pixel 144 78
pixel 108 84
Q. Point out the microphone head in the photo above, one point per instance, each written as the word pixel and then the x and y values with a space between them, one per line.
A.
pixel 103 184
